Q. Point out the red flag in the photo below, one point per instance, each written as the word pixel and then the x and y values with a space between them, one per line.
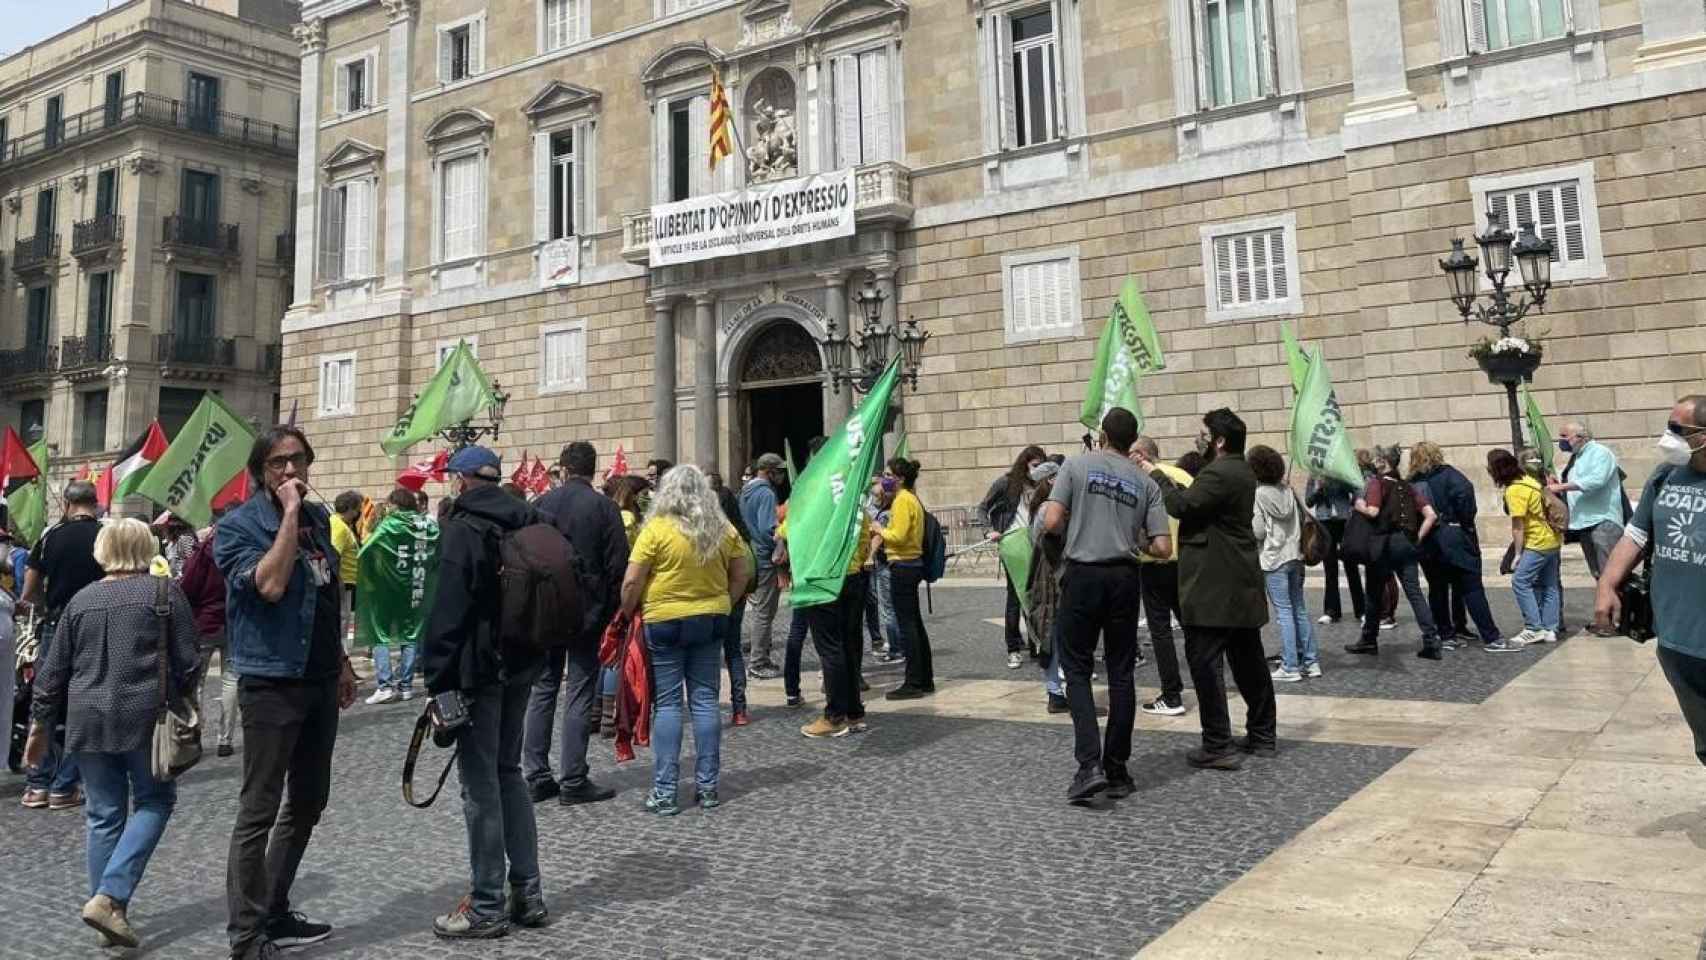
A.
pixel 15 460
pixel 440 464
pixel 540 478
pixel 521 477
pixel 234 492
pixel 82 473
pixel 415 477
pixel 619 466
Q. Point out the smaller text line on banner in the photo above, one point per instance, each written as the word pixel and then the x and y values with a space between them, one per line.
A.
pixel 770 216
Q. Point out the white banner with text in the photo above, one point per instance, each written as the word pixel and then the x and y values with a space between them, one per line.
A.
pixel 769 216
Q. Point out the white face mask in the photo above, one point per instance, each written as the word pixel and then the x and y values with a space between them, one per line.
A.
pixel 1675 450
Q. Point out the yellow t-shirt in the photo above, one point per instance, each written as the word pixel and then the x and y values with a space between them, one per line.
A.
pixel 681 586
pixel 630 526
pixel 1524 502
pixel 348 548
pixel 1183 479
pixel 903 538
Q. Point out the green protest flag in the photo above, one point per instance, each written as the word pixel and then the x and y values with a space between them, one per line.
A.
pixel 1539 434
pixel 457 392
pixel 788 461
pixel 1295 357
pixel 396 579
pixel 27 505
pixel 211 448
pixel 824 510
pixel 1128 349
pixel 1319 439
pixel 1015 548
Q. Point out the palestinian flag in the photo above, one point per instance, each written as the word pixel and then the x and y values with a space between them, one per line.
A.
pixel 133 465
pixel 16 464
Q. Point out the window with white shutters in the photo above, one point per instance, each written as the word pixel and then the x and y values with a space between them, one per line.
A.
pixel 461 51
pixel 337 385
pixel 332 224
pixel 1250 269
pixel 358 229
pixel 864 129
pixel 565 23
pixel 562 358
pixel 1041 295
pixel 1498 24
pixel 1561 203
pixel 1234 48
pixel 460 217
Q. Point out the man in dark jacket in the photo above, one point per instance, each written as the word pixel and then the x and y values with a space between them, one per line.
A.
pixel 1222 600
pixel 460 654
pixel 593 525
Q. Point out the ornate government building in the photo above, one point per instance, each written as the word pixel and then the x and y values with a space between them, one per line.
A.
pixel 533 176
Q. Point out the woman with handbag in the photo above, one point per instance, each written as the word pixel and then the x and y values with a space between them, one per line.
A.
pixel 122 665
pixel 1403 517
pixel 1278 523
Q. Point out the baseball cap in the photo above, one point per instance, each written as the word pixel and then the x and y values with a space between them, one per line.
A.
pixel 476 461
pixel 769 461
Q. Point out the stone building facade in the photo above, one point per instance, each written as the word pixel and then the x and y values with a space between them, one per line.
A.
pixel 146 177
pixel 1247 161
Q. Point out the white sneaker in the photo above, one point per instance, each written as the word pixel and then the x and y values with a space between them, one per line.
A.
pixel 382 695
pixel 1547 636
pixel 1161 708
pixel 1143 623
pixel 1325 619
pixel 1526 637
pixel 1282 675
pixel 1389 624
pixel 408 694
pixel 1312 671
pixel 1015 661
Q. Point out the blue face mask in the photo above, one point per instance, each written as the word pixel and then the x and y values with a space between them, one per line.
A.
pixel 1566 446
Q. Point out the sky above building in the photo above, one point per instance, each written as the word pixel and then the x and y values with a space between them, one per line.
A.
pixel 30 21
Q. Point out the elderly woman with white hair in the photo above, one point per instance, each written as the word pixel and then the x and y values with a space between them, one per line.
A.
pixel 103 675
pixel 687 566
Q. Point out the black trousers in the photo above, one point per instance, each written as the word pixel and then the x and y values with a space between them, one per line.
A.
pixel 1161 605
pixel 578 664
pixel 1242 649
pixel 289 731
pixel 835 635
pixel 1353 575
pixel 1099 601
pixel 1454 595
pixel 904 582
pixel 1687 676
pixel 1015 639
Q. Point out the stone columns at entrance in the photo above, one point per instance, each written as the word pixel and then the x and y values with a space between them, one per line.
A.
pixel 705 381
pixel 840 402
pixel 663 379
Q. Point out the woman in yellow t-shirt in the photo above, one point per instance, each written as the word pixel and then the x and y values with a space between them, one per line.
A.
pixel 1536 547
pixel 686 567
pixel 903 539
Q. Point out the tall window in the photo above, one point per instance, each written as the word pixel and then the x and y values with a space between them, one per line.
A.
pixel 202 102
pixel 200 201
pixel 1036 78
pixel 680 150
pixel 355 94
pixel 113 107
pixel 53 127
pixel 461 218
pixel 346 234
pixel 38 317
pixel 565 22
pixel 5 136
pixel 194 322
pixel 1235 60
pixel 562 184
pixel 864 132
pixel 106 192
pixel 100 307
pixel 92 425
pixel 337 385
pixel 44 214
pixel 32 416
pixel 177 405
pixel 460 53
pixel 1497 24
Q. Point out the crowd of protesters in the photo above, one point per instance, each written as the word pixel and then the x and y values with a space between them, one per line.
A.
pixel 1121 542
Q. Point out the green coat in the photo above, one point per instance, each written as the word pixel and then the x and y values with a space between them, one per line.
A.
pixel 1220 580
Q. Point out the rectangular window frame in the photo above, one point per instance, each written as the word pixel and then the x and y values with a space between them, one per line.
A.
pixel 1592 265
pixel 98 320
pixel 444 347
pixel 97 443
pixel 1289 305
pixel 1260 46
pixel 576 379
pixel 342 261
pixel 995 61
pixel 559 31
pixel 866 128
pixel 107 183
pixel 443 254
pixel 581 180
pixel 1020 70
pixel 342 104
pixel 184 316
pixel 1479 16
pixel 1071 324
pixel 453 68
pixel 38 315
pixel 339 400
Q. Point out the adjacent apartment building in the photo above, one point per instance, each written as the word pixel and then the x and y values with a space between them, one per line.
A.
pixel 489 170
pixel 147 178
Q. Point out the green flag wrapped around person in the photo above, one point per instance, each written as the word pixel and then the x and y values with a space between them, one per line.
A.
pixel 396 579
pixel 1319 438
pixel 1295 358
pixel 824 512
pixel 1128 349
pixel 458 391
pixel 1539 435
pixel 1015 550
pixel 27 505
pixel 208 451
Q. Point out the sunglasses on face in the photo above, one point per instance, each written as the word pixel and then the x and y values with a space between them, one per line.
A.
pixel 297 460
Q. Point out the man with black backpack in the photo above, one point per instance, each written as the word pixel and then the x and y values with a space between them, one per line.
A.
pixel 592 524
pixel 475 667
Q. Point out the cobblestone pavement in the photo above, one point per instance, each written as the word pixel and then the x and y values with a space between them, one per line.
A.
pixel 926 837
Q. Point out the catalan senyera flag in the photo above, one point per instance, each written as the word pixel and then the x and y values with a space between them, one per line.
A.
pixel 722 122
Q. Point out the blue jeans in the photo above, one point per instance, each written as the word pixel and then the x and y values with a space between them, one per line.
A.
pixel 382 666
pixel 796 645
pixel 885 609
pixel 1285 594
pixel 58 770
pixel 1536 586
pixel 1053 683
pixel 686 652
pixel 503 839
pixel 121 841
pixel 735 659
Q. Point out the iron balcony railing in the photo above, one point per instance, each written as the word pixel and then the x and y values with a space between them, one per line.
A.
pixel 156 111
pixel 197 351
pixel 92 351
pixel 181 231
pixel 36 251
pixel 96 233
pixel 30 359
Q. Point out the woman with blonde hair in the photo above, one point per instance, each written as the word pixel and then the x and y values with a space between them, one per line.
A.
pixel 687 567
pixel 103 675
pixel 1451 558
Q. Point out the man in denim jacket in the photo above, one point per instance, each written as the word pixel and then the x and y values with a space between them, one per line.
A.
pixel 281 575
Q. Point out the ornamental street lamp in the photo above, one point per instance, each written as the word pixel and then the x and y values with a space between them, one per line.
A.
pixel 1511 360
pixel 860 364
pixel 467 433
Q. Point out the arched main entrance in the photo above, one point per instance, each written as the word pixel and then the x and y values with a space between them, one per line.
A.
pixel 781 392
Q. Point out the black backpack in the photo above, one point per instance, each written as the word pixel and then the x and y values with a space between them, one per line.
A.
pixel 541 603
pixel 1398 510
pixel 935 549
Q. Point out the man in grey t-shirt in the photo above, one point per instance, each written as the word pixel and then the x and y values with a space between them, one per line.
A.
pixel 1108 512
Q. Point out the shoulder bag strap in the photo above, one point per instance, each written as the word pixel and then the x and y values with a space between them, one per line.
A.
pixel 423 726
pixel 163 616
